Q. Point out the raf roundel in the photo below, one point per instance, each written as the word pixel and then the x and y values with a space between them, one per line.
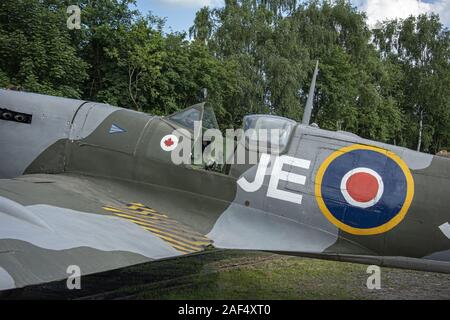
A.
pixel 362 187
pixel 169 142
pixel 364 190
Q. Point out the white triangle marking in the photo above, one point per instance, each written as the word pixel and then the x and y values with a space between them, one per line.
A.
pixel 116 129
pixel 445 228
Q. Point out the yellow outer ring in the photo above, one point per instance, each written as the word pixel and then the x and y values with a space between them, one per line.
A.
pixel 372 231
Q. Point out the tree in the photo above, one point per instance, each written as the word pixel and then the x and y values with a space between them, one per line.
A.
pixel 275 45
pixel 420 46
pixel 36 53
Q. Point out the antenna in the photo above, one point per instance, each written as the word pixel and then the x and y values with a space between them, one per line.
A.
pixel 205 93
pixel 309 104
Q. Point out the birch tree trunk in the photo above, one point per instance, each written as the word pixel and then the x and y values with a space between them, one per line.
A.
pixel 419 142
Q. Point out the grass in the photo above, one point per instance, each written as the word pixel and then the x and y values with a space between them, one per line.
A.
pixel 234 275
pixel 274 278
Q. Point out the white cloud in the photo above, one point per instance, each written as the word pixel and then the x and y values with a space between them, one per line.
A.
pixel 443 8
pixel 191 3
pixel 379 10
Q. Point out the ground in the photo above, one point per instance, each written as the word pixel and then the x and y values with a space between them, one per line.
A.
pixel 247 275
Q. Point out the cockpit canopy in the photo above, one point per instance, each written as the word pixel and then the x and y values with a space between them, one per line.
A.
pixel 267 132
pixel 199 112
pixel 260 134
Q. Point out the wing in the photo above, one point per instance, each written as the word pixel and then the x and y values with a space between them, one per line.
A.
pixel 49 223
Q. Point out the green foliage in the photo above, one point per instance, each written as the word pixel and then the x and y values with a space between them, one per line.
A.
pixel 420 50
pixel 255 56
pixel 362 87
pixel 35 49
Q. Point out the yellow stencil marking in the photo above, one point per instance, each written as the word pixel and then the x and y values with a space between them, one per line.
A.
pixel 112 209
pixel 195 238
pixel 180 237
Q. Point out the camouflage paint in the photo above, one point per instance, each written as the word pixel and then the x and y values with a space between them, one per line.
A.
pixel 85 157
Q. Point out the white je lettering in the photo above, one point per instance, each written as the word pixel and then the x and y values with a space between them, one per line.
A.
pixel 277 175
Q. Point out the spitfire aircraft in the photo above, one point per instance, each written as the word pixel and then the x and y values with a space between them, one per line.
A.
pixel 94 186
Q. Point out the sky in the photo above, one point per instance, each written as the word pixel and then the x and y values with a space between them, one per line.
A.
pixel 180 14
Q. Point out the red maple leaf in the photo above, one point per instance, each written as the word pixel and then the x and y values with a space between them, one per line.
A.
pixel 169 142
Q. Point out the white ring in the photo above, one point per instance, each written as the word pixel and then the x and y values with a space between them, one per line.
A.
pixel 349 198
pixel 173 146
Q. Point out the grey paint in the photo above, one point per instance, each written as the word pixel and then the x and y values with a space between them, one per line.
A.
pixel 88 118
pixel 52 121
pixel 18 211
pixel 309 103
pixel 28 264
pixel 440 256
pixel 268 223
pixel 246 228
pixel 414 160
pixel 6 281
pixel 72 229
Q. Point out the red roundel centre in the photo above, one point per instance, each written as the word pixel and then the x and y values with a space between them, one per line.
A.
pixel 362 187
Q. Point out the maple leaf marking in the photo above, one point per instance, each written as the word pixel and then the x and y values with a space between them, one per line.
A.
pixel 169 142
